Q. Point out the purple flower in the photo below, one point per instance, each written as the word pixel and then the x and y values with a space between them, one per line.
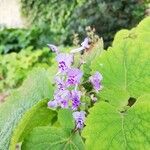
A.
pixel 52 104
pixel 75 97
pixel 53 48
pixel 74 76
pixel 96 81
pixel 62 98
pixel 61 84
pixel 79 117
pixel 64 103
pixel 64 61
pixel 85 44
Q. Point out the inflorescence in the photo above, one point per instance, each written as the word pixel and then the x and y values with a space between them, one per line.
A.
pixel 68 83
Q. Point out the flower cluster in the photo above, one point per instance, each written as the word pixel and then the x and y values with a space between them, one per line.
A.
pixel 68 81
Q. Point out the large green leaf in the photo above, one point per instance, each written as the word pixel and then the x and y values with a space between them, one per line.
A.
pixel 42 138
pixel 125 66
pixel 58 138
pixel 38 115
pixel 34 89
pixel 107 128
pixel 66 119
pixel 141 32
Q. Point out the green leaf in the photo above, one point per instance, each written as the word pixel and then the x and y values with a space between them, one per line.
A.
pixel 107 128
pixel 38 115
pixel 34 89
pixel 141 32
pixel 65 118
pixel 125 66
pixel 144 26
pixel 42 138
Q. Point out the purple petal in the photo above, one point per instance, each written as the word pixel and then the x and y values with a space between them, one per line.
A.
pixel 85 44
pixel 61 84
pixel 64 61
pixel 79 117
pixel 64 104
pixel 74 76
pixel 62 98
pixel 52 104
pixel 75 97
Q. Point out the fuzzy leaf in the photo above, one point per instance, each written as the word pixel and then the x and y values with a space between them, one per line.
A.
pixel 125 66
pixel 107 128
pixel 66 119
pixel 38 115
pixel 42 138
pixel 34 89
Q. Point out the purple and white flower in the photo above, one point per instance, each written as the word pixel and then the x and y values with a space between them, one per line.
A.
pixel 64 61
pixel 96 81
pixel 74 76
pixel 67 80
pixel 79 117
pixel 64 103
pixel 85 44
pixel 75 97
pixel 61 84
pixel 52 104
pixel 62 98
pixel 53 48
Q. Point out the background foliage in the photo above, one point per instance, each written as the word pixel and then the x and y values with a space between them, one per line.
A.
pixel 13 40
pixel 14 67
pixel 66 17
pixel 56 21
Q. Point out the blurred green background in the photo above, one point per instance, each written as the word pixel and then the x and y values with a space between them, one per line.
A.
pixel 57 22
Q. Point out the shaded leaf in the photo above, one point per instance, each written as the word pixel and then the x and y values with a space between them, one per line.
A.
pixel 52 138
pixel 38 115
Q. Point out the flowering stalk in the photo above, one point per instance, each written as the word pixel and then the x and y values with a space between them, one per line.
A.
pixel 68 83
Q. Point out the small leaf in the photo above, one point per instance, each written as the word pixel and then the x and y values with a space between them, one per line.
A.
pixel 107 128
pixel 65 118
pixel 42 138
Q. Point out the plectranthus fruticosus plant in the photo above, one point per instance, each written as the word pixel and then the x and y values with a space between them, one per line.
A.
pixel 70 92
pixel 91 113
